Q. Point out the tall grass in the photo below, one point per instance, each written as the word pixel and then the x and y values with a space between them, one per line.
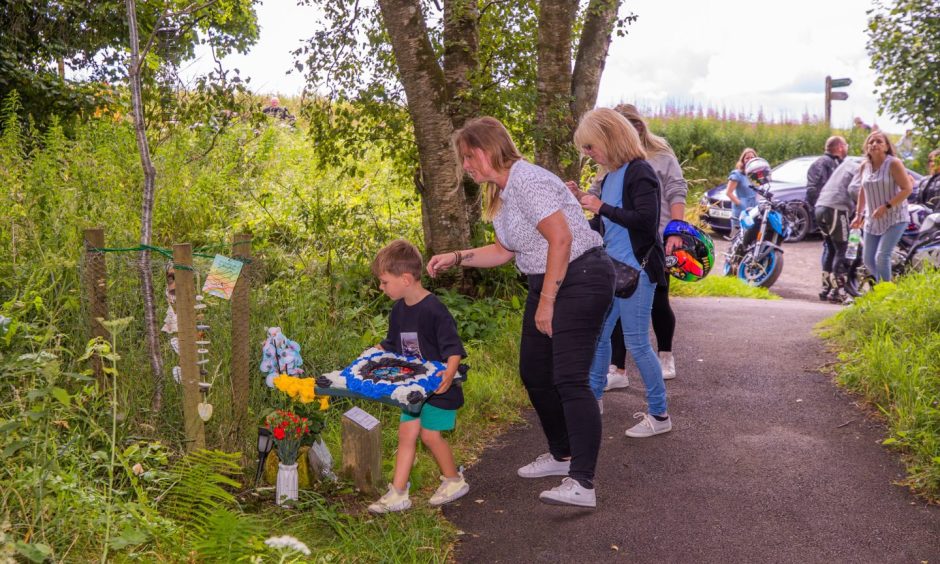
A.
pixel 890 355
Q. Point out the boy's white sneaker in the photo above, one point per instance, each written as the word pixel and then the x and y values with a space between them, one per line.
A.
pixel 668 364
pixel 648 426
pixel 391 502
pixel 451 489
pixel 570 492
pixel 545 465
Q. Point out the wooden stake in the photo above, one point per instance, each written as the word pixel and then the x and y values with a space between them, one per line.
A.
pixel 186 321
pixel 96 289
pixel 362 455
pixel 241 331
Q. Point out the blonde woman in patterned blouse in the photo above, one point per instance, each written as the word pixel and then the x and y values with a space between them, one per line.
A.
pixel 882 203
pixel 540 225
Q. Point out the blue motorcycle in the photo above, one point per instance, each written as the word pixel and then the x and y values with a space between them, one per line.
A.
pixel 756 253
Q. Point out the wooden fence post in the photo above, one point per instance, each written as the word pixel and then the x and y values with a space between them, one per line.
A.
pixel 186 321
pixel 96 290
pixel 362 450
pixel 241 332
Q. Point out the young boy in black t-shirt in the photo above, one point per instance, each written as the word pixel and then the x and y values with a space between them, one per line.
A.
pixel 420 325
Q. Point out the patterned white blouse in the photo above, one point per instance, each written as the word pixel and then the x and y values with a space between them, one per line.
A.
pixel 880 187
pixel 532 194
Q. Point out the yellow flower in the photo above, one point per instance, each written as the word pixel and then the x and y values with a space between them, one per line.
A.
pixel 324 403
pixel 300 389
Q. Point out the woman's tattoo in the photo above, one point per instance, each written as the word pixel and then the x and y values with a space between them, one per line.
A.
pixel 466 256
pixel 558 283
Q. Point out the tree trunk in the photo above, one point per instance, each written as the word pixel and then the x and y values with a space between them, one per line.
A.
pixel 461 48
pixel 146 215
pixel 589 63
pixel 554 122
pixel 446 225
pixel 564 96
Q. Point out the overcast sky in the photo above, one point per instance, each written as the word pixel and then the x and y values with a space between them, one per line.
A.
pixel 741 55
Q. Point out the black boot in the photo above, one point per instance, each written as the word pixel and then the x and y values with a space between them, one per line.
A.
pixel 827 286
pixel 838 295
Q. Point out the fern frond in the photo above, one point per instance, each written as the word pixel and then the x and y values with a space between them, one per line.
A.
pixel 199 488
pixel 229 537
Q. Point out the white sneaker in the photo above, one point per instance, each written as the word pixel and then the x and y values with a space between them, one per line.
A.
pixel 600 405
pixel 648 426
pixel 391 502
pixel 570 492
pixel 616 379
pixel 545 465
pixel 450 490
pixel 668 364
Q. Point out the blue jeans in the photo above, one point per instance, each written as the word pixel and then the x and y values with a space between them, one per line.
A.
pixel 634 313
pixel 878 248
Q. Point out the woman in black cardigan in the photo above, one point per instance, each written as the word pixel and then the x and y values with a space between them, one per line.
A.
pixel 628 211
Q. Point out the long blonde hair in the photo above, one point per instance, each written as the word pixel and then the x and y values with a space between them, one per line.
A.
pixel 651 142
pixel 740 163
pixel 611 133
pixel 489 135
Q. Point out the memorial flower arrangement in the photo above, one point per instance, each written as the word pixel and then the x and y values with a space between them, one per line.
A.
pixel 289 430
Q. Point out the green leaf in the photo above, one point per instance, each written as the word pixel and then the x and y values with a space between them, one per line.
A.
pixel 889 441
pixel 63 396
pixel 10 426
pixel 129 537
pixel 12 448
pixel 34 552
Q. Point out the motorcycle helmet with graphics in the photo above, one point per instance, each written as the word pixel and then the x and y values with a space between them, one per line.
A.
pixel 695 258
pixel 758 171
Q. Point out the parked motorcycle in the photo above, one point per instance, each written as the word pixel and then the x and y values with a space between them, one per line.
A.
pixel 756 252
pixel 919 246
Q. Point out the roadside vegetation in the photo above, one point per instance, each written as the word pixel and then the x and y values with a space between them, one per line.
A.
pixel 889 344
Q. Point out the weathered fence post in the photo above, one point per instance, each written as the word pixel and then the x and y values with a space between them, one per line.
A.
pixel 241 331
pixel 96 290
pixel 362 450
pixel 186 322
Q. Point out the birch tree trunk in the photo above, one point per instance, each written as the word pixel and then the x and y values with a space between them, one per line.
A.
pixel 146 215
pixel 565 95
pixel 443 202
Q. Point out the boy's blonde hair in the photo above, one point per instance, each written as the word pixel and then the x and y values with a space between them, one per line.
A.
pixel 397 258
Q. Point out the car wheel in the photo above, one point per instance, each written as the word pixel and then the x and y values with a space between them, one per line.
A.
pixel 799 220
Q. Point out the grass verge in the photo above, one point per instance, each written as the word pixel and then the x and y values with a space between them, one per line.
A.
pixel 719 286
pixel 889 345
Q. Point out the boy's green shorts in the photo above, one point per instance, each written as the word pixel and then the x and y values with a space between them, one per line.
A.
pixel 433 418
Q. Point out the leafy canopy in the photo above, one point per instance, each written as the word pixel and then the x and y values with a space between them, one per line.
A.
pixel 904 45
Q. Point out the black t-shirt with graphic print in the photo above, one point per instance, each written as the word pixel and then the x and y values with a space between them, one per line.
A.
pixel 426 329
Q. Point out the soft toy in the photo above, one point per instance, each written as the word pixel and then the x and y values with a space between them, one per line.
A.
pixel 280 355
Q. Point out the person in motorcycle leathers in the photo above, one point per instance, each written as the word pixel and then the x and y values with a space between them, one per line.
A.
pixel 834 208
pixel 816 177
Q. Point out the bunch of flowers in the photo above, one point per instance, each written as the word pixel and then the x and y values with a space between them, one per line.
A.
pixel 289 429
pixel 300 389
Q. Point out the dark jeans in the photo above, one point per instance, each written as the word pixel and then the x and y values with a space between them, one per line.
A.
pixel 664 327
pixel 555 369
pixel 834 225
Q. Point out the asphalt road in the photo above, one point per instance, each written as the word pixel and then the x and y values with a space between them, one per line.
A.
pixel 767 461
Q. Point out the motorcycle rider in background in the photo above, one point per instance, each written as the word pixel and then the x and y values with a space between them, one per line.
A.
pixel 740 193
pixel 816 177
pixel 834 208
pixel 927 190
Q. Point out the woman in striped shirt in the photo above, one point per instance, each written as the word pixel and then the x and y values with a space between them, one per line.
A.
pixel 882 204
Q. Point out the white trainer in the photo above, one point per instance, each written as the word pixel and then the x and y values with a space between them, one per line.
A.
pixel 648 426
pixel 668 364
pixel 451 489
pixel 545 465
pixel 616 379
pixel 570 492
pixel 600 405
pixel 393 501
